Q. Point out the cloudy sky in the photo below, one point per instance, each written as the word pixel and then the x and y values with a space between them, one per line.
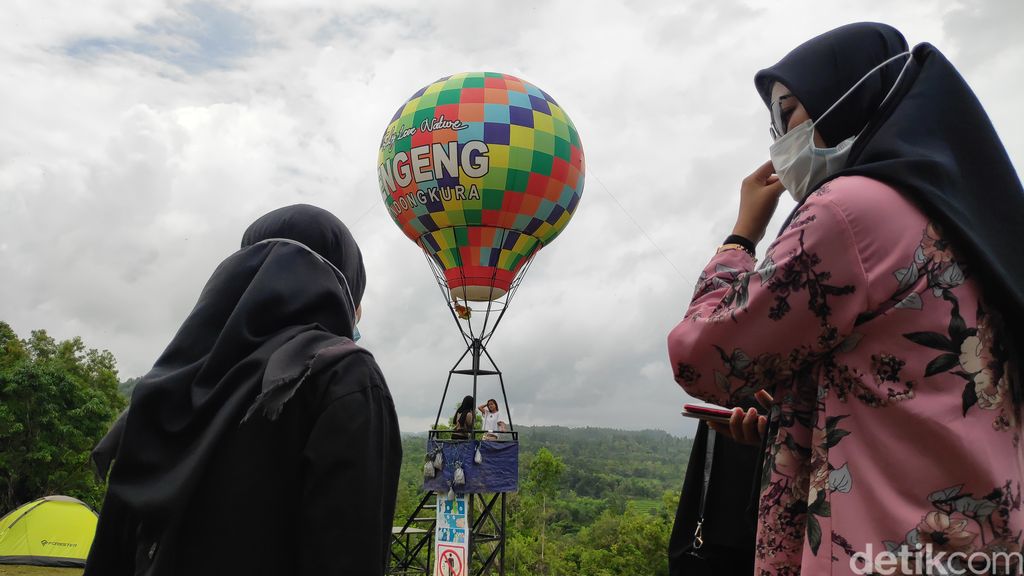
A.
pixel 138 138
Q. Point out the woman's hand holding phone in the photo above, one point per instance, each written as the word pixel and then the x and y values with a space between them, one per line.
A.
pixel 708 413
pixel 746 427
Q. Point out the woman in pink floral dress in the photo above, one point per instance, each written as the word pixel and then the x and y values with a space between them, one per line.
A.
pixel 881 319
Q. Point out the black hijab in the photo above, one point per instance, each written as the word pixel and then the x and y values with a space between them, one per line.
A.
pixel 465 408
pixel 931 140
pixel 260 322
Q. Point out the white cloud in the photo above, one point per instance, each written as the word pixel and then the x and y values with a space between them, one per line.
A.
pixel 144 136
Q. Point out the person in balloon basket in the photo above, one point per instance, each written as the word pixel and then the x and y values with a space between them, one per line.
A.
pixel 263 440
pixel 464 420
pixel 491 417
pixel 882 327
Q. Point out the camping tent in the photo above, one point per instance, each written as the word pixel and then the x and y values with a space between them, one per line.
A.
pixel 50 531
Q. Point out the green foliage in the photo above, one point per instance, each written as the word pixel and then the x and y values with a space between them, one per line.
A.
pixel 57 399
pixel 630 543
pixel 545 471
pixel 127 387
pixel 598 502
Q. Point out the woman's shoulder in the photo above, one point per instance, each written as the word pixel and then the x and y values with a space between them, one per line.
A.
pixel 885 227
pixel 861 196
pixel 877 215
pixel 355 371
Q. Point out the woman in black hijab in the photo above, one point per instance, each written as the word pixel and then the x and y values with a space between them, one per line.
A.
pixel 885 317
pixel 263 441
pixel 465 417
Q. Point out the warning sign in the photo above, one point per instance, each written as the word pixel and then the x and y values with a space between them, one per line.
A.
pixel 451 538
pixel 450 561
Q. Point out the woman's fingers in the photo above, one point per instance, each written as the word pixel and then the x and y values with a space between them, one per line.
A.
pixel 759 196
pixel 750 430
pixel 743 427
pixel 736 425
pixel 764 398
pixel 763 172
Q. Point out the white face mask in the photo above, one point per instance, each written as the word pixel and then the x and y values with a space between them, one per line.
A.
pixel 799 163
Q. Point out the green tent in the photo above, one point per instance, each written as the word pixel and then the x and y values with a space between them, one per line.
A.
pixel 51 531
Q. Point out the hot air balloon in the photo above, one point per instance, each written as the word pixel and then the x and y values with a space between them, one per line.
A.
pixel 481 170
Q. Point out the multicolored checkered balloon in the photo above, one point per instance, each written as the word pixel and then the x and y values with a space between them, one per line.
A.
pixel 481 170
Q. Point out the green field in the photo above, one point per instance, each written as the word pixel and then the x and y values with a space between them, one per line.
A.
pixel 645 506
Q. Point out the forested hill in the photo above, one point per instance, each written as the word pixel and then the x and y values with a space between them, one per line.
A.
pixel 602 463
pixel 591 500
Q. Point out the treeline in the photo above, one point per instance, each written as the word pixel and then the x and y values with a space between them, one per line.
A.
pixel 592 501
pixel 57 399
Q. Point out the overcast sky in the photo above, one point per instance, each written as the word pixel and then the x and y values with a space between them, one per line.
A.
pixel 138 138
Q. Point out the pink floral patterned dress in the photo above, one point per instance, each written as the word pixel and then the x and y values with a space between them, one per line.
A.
pixel 893 425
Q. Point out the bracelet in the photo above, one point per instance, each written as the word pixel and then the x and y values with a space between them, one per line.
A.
pixel 727 247
pixel 746 243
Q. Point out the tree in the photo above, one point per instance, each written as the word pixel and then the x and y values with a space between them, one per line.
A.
pixel 545 471
pixel 128 386
pixel 57 399
pixel 628 543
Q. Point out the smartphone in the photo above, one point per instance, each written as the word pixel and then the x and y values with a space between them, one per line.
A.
pixel 706 412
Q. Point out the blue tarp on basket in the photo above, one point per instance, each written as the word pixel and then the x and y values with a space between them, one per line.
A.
pixel 498 470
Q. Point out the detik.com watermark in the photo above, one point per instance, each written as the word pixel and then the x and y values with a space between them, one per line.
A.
pixel 925 560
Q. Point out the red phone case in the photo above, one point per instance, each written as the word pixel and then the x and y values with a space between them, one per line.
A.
pixel 712 413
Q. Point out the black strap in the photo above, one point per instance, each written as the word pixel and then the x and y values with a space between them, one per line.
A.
pixel 754 500
pixel 709 457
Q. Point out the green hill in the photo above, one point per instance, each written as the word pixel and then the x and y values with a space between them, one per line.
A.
pixel 616 466
pixel 606 463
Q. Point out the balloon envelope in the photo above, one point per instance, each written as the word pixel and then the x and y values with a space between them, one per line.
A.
pixel 481 170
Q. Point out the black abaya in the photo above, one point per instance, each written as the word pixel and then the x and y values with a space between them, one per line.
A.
pixel 263 441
